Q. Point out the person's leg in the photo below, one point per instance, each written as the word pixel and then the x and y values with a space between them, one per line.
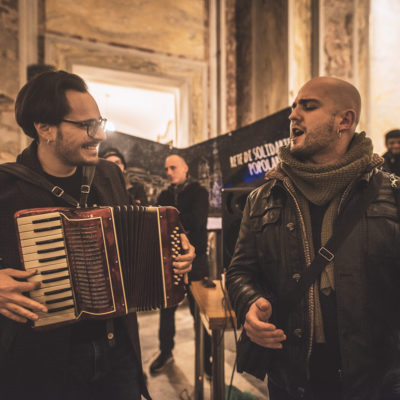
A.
pixel 81 370
pixel 120 379
pixel 166 333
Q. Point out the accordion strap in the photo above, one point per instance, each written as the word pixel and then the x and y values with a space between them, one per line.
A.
pixel 87 179
pixel 27 175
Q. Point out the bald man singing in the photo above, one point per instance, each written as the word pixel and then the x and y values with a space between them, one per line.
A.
pixel 191 199
pixel 341 339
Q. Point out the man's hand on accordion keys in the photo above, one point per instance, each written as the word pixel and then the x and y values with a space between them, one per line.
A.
pixel 183 262
pixel 13 303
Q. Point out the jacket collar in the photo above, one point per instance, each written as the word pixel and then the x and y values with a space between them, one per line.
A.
pixel 29 158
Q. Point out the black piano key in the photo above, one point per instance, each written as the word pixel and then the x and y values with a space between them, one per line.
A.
pixel 43 260
pixel 50 228
pixel 53 310
pixel 53 271
pixel 61 278
pixel 49 241
pixel 61 299
pixel 58 291
pixel 40 221
pixel 50 250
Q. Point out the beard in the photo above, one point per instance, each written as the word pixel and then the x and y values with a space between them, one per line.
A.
pixel 315 141
pixel 70 153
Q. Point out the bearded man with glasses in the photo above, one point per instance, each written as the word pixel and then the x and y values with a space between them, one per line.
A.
pixel 91 359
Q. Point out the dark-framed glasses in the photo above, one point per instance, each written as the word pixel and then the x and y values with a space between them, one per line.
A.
pixel 91 125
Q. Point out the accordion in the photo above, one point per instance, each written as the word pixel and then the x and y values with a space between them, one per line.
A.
pixel 100 262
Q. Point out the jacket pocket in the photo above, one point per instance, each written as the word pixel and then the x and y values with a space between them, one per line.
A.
pixel 264 218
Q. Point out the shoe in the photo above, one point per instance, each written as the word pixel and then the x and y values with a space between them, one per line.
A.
pixel 162 360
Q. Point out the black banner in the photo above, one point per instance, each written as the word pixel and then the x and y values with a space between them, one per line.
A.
pixel 238 158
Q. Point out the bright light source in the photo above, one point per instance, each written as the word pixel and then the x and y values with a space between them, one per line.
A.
pixel 110 127
pixel 140 112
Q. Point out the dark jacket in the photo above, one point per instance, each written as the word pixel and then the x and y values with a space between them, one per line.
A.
pixel 392 163
pixel 38 354
pixel 270 255
pixel 191 199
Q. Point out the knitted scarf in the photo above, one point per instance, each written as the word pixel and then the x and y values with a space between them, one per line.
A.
pixel 321 185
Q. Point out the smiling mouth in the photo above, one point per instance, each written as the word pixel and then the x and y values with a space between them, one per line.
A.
pixel 90 146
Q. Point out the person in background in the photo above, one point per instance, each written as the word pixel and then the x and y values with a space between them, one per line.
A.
pixel 392 156
pixel 135 190
pixel 191 199
pixel 341 340
pixel 92 359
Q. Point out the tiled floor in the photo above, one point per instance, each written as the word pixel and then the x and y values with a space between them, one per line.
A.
pixel 177 382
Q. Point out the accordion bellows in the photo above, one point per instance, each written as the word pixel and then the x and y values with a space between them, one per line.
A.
pixel 100 262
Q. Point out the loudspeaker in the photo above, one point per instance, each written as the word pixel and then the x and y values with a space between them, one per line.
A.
pixel 233 202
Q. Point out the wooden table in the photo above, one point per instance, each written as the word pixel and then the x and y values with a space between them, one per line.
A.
pixel 212 310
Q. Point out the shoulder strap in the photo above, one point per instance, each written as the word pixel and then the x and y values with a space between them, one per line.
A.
pixel 27 175
pixel 344 225
pixel 87 179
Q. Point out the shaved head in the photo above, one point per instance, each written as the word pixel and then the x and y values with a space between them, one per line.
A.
pixel 176 159
pixel 343 94
pixel 176 169
pixel 323 120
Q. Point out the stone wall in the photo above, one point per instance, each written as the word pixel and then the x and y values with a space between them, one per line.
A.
pixel 10 135
pixel 262 59
pixel 162 26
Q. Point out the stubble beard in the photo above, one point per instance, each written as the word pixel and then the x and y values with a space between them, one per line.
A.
pixel 316 141
pixel 70 156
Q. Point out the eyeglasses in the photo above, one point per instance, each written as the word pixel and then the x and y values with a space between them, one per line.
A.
pixel 91 125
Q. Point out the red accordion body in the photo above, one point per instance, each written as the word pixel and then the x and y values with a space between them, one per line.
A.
pixel 100 262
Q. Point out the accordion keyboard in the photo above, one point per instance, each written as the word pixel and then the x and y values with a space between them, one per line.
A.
pixel 43 248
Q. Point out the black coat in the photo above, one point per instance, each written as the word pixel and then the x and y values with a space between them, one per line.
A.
pixel 191 199
pixel 43 355
pixel 392 163
pixel 270 253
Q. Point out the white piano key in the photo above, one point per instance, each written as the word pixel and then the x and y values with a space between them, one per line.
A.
pixel 47 319
pixel 55 292
pixel 29 219
pixel 44 256
pixel 61 304
pixel 39 265
pixel 39 226
pixel 56 264
pixel 36 235
pixel 32 245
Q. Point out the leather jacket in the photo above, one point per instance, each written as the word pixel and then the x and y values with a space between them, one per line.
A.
pixel 271 253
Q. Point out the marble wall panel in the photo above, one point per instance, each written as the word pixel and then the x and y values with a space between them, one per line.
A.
pixel 166 26
pixel 231 69
pixel 338 38
pixel 244 63
pixel 300 42
pixel 10 135
pixel 271 57
pixel 384 78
